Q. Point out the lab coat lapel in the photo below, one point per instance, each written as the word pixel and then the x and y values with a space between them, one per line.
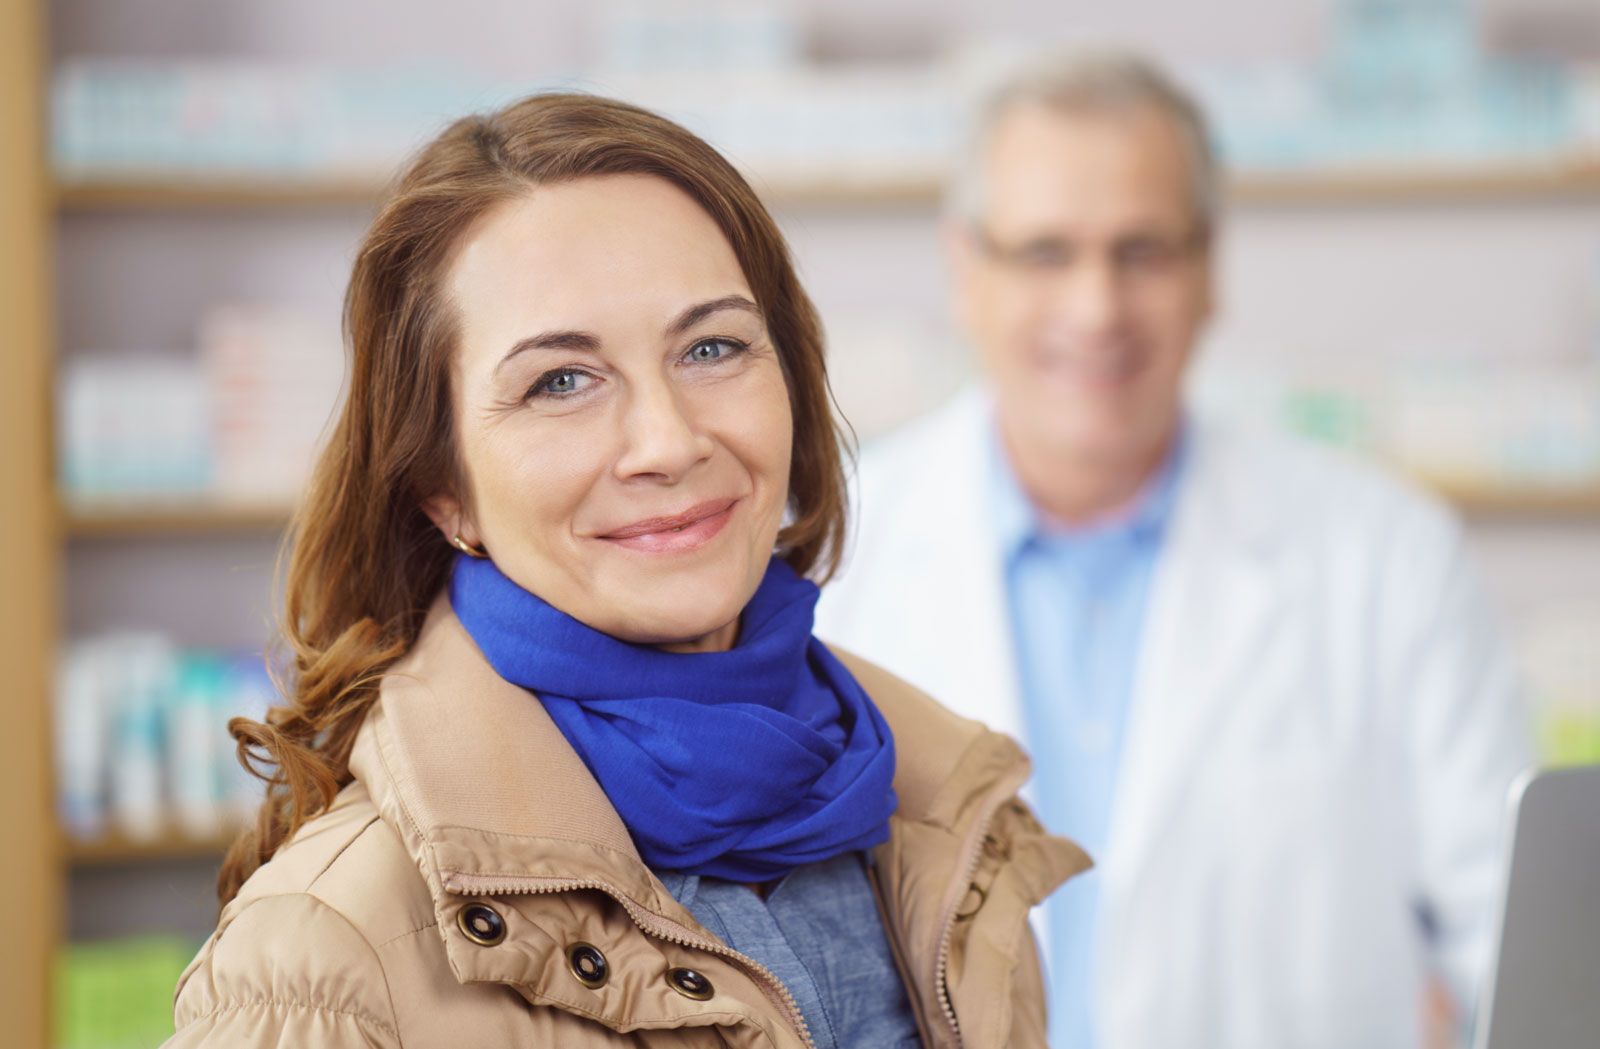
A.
pixel 1213 608
pixel 956 604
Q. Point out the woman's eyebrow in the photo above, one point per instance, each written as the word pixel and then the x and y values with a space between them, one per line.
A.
pixel 584 341
pixel 695 314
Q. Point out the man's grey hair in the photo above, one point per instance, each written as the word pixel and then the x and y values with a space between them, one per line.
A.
pixel 1101 81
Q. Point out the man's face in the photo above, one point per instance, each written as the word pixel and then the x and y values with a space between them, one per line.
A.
pixel 1085 281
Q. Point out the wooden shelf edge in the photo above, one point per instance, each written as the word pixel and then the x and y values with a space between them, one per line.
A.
pixel 919 189
pixel 1527 501
pixel 118 848
pixel 223 192
pixel 155 519
pixel 220 191
pixel 1556 177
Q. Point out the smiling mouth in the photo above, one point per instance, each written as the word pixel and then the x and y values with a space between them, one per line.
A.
pixel 697 515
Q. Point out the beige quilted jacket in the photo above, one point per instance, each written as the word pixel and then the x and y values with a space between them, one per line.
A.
pixel 473 887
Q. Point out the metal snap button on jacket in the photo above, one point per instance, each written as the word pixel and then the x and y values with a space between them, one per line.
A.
pixel 588 965
pixel 690 984
pixel 481 924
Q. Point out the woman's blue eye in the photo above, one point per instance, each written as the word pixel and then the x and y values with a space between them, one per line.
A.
pixel 558 383
pixel 712 350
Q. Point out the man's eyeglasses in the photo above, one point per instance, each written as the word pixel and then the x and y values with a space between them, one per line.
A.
pixel 1140 256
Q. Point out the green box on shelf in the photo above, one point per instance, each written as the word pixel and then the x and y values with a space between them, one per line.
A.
pixel 1333 417
pixel 1570 737
pixel 117 994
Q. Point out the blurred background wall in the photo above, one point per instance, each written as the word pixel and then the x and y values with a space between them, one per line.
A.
pixel 1410 268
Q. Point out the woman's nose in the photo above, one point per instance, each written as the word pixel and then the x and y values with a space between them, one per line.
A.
pixel 661 439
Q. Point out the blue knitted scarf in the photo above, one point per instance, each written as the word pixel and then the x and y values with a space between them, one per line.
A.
pixel 742 764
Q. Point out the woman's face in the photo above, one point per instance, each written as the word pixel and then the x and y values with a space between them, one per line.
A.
pixel 622 418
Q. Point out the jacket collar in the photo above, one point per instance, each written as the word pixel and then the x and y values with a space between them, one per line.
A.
pixel 479 780
pixel 482 786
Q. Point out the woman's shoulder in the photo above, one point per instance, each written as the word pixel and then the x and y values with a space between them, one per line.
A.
pixel 303 942
pixel 941 758
pixel 348 857
pixel 285 969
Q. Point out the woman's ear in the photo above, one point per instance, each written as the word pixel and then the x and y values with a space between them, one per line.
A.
pixel 451 518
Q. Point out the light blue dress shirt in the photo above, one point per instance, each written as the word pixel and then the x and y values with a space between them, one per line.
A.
pixel 1077 601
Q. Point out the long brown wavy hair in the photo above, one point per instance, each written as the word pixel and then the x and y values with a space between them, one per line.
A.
pixel 363 560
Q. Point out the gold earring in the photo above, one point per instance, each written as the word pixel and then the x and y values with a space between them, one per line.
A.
pixel 466 547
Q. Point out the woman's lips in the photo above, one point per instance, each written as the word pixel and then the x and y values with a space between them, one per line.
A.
pixel 686 531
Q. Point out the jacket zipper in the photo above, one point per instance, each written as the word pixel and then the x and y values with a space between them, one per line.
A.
pixel 897 949
pixel 474 885
pixel 972 850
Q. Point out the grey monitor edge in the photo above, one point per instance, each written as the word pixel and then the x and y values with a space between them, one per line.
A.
pixel 1535 860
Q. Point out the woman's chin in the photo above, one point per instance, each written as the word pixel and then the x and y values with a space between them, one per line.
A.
pixel 676 608
pixel 688 614
pixel 676 632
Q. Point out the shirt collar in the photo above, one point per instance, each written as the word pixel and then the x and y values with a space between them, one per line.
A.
pixel 1017 521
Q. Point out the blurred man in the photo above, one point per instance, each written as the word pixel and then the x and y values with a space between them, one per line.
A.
pixel 1258 679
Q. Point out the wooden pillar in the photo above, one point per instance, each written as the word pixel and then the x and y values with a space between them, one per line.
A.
pixel 30 887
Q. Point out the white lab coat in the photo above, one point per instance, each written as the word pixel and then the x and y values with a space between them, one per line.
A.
pixel 1324 723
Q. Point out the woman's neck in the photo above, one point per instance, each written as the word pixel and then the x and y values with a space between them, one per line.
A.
pixel 719 640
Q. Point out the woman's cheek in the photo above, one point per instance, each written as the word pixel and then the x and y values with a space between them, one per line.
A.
pixel 767 431
pixel 546 471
